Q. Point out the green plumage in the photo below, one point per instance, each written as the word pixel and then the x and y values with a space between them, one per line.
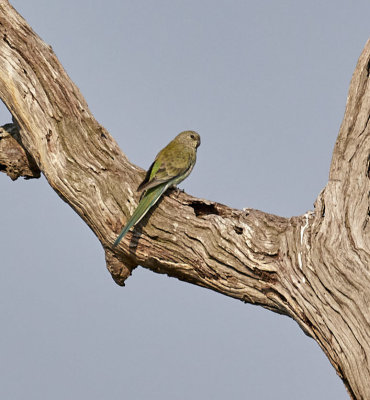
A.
pixel 171 166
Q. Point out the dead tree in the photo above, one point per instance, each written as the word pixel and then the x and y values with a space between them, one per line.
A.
pixel 313 268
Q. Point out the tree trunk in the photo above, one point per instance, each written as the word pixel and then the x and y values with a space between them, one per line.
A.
pixel 313 268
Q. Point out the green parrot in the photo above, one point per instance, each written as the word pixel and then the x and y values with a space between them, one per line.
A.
pixel 171 166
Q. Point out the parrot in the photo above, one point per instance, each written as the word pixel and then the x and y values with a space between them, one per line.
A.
pixel 171 166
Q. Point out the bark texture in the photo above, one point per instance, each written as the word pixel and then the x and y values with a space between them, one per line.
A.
pixel 15 160
pixel 313 268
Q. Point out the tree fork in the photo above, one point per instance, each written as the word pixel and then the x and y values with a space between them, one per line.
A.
pixel 313 268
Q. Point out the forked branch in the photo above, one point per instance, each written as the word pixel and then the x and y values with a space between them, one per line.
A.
pixel 313 268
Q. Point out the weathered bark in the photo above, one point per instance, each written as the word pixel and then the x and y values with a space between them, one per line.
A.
pixel 15 161
pixel 313 268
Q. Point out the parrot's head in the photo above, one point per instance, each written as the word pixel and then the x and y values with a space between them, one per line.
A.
pixel 189 138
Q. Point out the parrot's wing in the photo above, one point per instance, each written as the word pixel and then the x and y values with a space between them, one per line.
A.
pixel 147 177
pixel 150 179
pixel 165 170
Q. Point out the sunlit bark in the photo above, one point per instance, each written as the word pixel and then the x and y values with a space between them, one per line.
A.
pixel 313 268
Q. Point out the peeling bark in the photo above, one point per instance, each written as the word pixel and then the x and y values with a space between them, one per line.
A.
pixel 313 268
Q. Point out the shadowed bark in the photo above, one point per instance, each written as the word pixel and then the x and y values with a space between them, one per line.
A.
pixel 15 161
pixel 313 268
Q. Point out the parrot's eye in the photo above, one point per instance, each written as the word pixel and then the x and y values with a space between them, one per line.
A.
pixel 192 136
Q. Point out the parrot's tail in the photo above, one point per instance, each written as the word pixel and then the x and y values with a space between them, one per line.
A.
pixel 147 201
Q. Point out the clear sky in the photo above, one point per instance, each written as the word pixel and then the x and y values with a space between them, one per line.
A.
pixel 265 85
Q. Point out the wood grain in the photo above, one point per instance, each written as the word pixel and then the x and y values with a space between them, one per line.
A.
pixel 313 268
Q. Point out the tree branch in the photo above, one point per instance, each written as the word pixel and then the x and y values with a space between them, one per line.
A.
pixel 15 161
pixel 313 268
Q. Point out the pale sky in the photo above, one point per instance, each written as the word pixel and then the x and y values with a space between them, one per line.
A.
pixel 265 85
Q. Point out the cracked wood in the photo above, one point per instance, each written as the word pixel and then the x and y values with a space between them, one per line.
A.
pixel 313 268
